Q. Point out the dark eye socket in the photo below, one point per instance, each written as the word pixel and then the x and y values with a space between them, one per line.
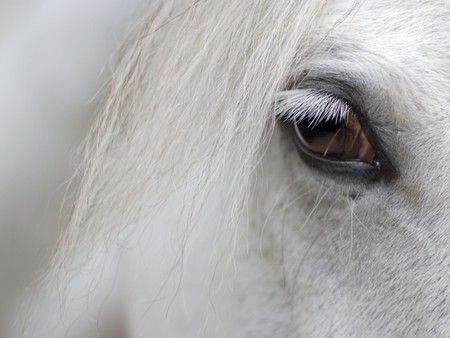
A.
pixel 333 140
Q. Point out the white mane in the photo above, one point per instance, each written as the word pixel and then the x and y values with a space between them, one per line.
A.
pixel 171 115
pixel 189 108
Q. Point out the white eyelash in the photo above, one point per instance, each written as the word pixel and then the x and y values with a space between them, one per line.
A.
pixel 316 106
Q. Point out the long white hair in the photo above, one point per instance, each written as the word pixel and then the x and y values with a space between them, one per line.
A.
pixel 189 108
pixel 189 102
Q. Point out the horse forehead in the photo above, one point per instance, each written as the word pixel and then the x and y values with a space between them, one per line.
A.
pixel 397 30
pixel 406 38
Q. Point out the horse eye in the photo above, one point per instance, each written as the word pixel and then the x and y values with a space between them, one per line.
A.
pixel 342 141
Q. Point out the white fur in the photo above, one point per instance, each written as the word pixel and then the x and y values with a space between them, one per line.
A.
pixel 195 215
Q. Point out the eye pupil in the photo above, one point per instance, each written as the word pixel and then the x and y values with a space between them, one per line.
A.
pixel 325 138
pixel 336 140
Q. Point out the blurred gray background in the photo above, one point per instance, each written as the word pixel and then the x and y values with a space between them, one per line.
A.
pixel 55 56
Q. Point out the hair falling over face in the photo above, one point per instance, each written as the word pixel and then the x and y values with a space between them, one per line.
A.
pixel 189 105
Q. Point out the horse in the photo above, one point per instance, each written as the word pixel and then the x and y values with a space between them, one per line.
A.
pixel 262 169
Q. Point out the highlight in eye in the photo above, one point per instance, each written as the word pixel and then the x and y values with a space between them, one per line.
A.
pixel 325 127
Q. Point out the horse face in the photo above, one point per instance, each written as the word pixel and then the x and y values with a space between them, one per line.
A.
pixel 341 246
pixel 354 249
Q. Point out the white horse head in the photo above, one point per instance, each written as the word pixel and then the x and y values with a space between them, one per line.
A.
pixel 268 169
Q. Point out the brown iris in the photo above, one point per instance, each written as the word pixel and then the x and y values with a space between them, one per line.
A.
pixel 339 141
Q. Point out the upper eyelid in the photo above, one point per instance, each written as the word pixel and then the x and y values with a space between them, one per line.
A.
pixel 311 104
